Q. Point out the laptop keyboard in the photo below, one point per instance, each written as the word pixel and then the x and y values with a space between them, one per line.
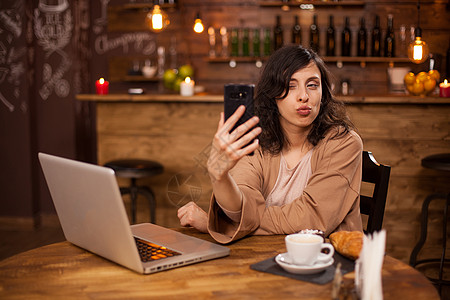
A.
pixel 150 251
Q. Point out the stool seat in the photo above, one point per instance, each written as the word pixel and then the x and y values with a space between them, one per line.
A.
pixel 135 169
pixel 439 162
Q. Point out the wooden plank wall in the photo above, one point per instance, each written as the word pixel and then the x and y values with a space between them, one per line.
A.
pixel 178 136
pixel 400 136
pixel 193 48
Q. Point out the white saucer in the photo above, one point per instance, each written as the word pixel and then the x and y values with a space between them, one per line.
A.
pixel 284 261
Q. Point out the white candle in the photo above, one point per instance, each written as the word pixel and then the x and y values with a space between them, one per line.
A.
pixel 187 87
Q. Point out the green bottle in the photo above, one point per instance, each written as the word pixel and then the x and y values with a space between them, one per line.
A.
pixel 256 43
pixel 234 42
pixel 267 42
pixel 245 42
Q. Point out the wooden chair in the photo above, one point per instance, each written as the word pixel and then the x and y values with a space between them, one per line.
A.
pixel 373 206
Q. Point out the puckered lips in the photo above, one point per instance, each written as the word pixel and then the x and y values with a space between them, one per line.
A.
pixel 304 110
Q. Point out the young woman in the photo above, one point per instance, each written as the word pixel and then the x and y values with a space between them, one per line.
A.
pixel 306 169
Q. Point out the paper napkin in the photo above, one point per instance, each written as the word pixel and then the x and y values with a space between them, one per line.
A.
pixel 368 267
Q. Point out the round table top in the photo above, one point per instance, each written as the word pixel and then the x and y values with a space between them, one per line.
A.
pixel 65 271
pixel 439 162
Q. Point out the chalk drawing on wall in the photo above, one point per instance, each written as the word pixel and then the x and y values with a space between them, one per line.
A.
pixel 143 43
pixel 100 23
pixel 11 64
pixel 53 26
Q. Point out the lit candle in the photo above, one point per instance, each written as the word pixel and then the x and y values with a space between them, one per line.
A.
pixel 187 87
pixel 444 89
pixel 102 86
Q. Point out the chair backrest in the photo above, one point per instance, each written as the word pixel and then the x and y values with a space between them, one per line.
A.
pixel 373 206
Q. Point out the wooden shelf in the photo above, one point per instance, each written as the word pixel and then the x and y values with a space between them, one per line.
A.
pixel 343 59
pixel 227 59
pixel 359 59
pixel 139 78
pixel 294 3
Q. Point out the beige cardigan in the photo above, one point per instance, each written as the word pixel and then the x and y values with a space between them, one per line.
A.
pixel 330 201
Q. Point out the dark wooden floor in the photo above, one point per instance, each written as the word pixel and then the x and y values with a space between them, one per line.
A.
pixel 15 241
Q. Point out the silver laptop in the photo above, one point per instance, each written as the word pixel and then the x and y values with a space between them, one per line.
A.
pixel 92 215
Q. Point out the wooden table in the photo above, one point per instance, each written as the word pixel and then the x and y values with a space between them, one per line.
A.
pixel 64 271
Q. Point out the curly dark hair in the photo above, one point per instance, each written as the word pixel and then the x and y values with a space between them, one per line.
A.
pixel 274 85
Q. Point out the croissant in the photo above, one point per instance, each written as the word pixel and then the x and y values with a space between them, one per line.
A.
pixel 347 243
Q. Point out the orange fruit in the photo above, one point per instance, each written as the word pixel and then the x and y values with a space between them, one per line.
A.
pixel 417 88
pixel 429 84
pixel 422 76
pixel 409 78
pixel 409 87
pixel 435 74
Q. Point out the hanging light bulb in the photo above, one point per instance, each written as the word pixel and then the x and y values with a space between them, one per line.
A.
pixel 198 25
pixel 285 6
pixel 418 50
pixel 157 19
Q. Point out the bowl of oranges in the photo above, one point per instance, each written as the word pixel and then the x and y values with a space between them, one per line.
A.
pixel 421 84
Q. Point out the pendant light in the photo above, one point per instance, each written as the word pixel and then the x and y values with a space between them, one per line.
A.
pixel 157 19
pixel 285 6
pixel 418 50
pixel 198 25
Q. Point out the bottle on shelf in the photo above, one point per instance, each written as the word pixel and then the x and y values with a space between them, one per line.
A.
pixel 256 43
pixel 161 51
pixel 362 38
pixel 296 32
pixel 212 41
pixel 278 34
pixel 346 42
pixel 314 35
pixel 403 49
pixel 376 38
pixel 173 53
pixel 267 42
pixel 245 42
pixel 412 34
pixel 389 40
pixel 224 40
pixel 331 38
pixel 234 42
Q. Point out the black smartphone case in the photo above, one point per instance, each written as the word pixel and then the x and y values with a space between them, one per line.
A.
pixel 236 95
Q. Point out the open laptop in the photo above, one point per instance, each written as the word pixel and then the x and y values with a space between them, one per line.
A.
pixel 92 215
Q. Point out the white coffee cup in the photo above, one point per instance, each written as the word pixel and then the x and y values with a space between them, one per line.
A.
pixel 306 249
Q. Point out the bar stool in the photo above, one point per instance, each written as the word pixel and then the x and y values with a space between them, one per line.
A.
pixel 136 169
pixel 439 162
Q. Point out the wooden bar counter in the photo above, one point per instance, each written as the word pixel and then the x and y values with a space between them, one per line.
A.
pixel 177 131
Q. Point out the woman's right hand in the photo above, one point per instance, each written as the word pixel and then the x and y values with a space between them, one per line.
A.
pixel 192 215
pixel 229 147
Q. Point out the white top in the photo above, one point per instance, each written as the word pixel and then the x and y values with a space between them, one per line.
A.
pixel 290 182
pixel 288 187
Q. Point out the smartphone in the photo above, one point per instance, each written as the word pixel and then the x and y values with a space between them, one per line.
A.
pixel 236 95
